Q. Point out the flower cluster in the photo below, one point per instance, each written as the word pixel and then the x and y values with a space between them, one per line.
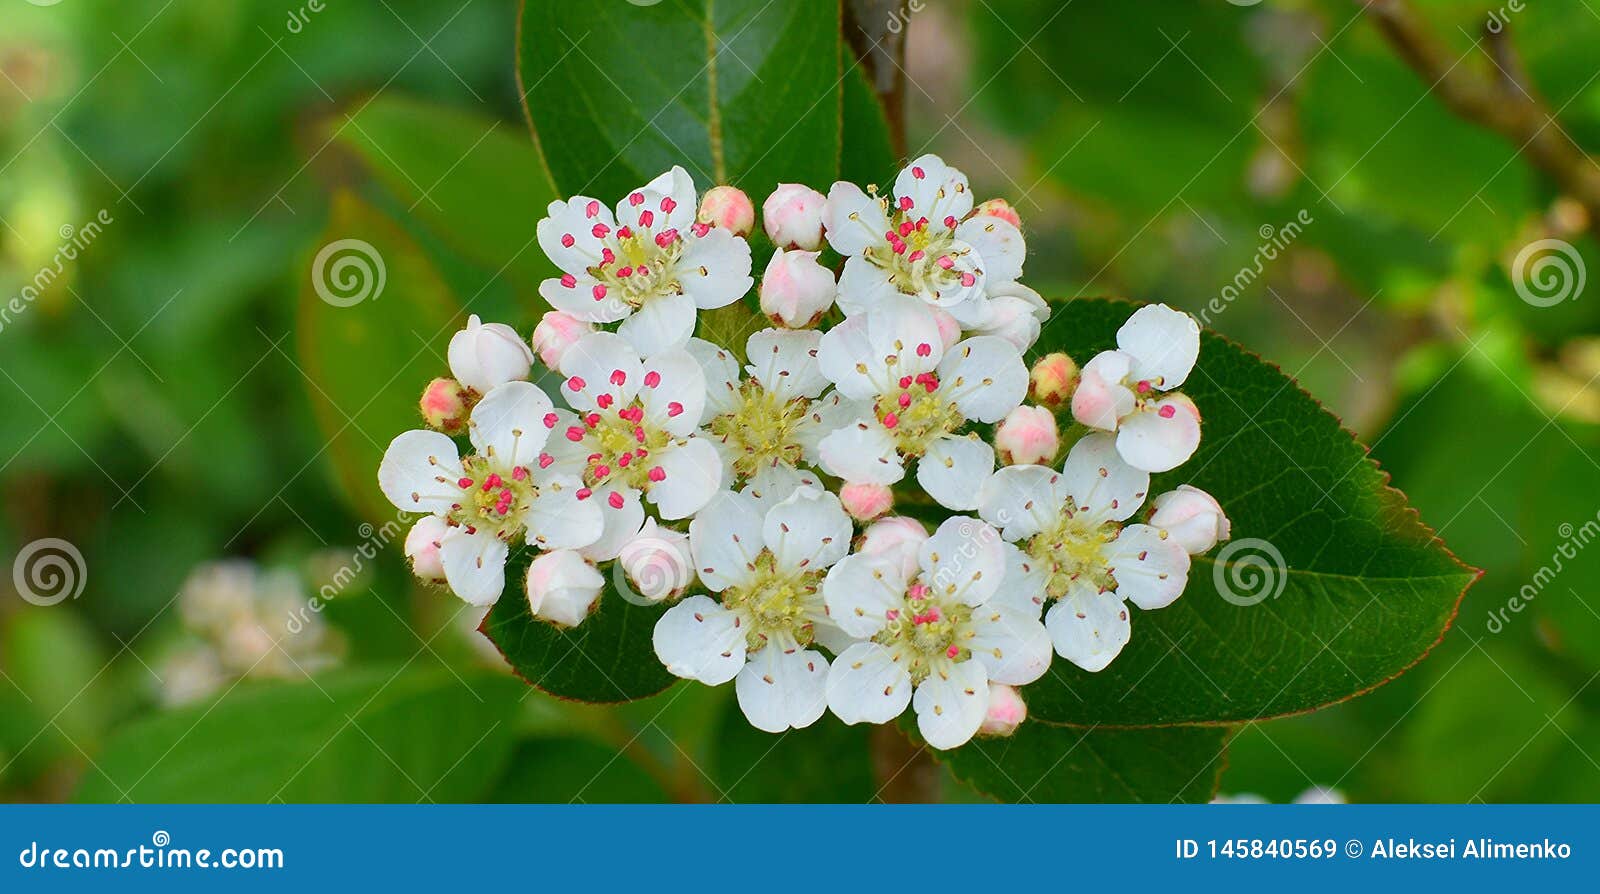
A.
pixel 751 488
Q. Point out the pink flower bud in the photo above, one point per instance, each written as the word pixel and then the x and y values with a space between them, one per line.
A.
pixel 949 327
pixel 556 333
pixel 1006 711
pixel 422 548
pixel 1053 379
pixel 898 537
pixel 796 290
pixel 1027 436
pixel 657 562
pixel 866 501
pixel 792 216
pixel 563 587
pixel 729 208
pixel 999 208
pixel 445 406
pixel 484 355
pixel 1191 517
pixel 1101 399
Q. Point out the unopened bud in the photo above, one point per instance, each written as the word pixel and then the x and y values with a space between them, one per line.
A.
pixel 657 562
pixel 484 355
pixel 999 208
pixel 1006 711
pixel 865 501
pixel 1191 517
pixel 729 208
pixel 796 290
pixel 563 587
pixel 422 548
pixel 556 332
pixel 1027 436
pixel 897 537
pixel 792 216
pixel 1053 378
pixel 445 406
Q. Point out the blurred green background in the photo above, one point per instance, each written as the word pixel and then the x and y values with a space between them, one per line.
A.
pixel 166 407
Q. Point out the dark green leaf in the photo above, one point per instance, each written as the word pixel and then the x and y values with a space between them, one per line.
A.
pixel 737 91
pixel 574 771
pixel 364 364
pixel 355 736
pixel 607 658
pixel 827 762
pixel 1047 764
pixel 868 155
pixel 1367 589
pixel 478 183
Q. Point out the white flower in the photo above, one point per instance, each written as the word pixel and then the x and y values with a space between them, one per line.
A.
pixel 768 425
pixel 792 216
pixel 658 562
pixel 650 266
pixel 1129 390
pixel 921 243
pixel 1191 517
pixel 916 399
pixel 938 630
pixel 563 587
pixel 498 496
pixel 1073 548
pixel 767 570
pixel 796 290
pixel 633 434
pixel 484 355
pixel 1014 312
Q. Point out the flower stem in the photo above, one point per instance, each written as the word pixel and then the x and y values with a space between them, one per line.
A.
pixel 904 770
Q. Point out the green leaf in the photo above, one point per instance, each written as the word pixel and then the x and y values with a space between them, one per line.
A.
pixel 827 762
pixel 590 773
pixel 1367 588
pixel 607 658
pixel 364 364
pixel 868 155
pixel 1051 765
pixel 476 182
pixel 737 91
pixel 352 736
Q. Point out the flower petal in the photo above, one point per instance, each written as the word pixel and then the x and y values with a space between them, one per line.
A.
pixel 954 469
pixel 1162 435
pixel 998 242
pixel 575 294
pixel 950 704
pixel 573 221
pixel 621 524
pixel 1101 399
pixel 725 538
pixel 661 323
pixel 1164 344
pixel 1100 482
pixel 936 190
pixel 862 452
pixel 721 371
pixel 867 685
pixel 714 269
pixel 674 392
pixel 1024 587
pixel 823 416
pixel 863 285
pixel 474 565
pixel 808 531
pixel 693 473
pixel 508 425
pixel 964 559
pixel 1150 568
pixel 1089 628
pixel 784 361
pixel 604 363
pixel 419 472
pixel 559 520
pixel 700 640
pixel 1013 646
pixel 853 220
pixel 781 690
pixel 1022 500
pixel 985 377
pixel 861 590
